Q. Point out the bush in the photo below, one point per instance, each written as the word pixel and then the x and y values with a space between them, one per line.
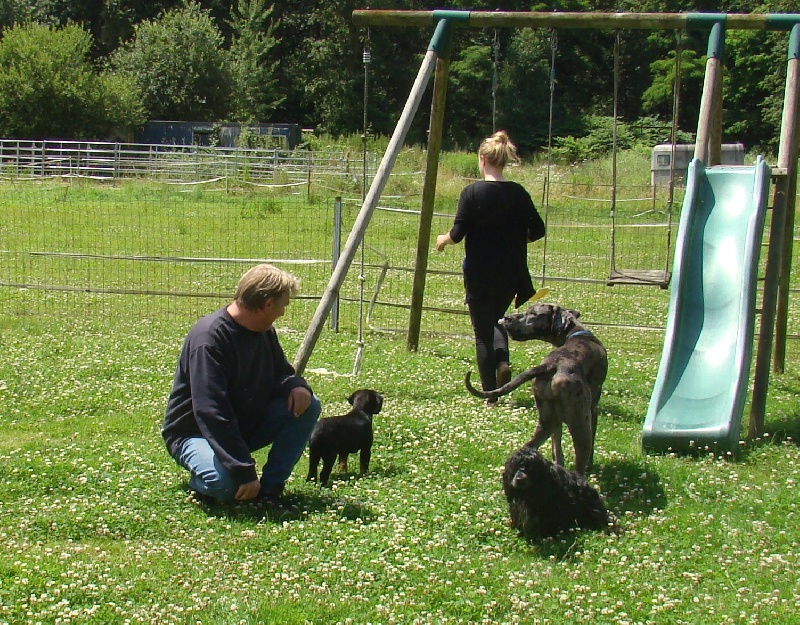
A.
pixel 49 89
pixel 179 65
pixel 598 139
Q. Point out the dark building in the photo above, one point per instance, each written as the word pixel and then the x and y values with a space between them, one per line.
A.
pixel 226 135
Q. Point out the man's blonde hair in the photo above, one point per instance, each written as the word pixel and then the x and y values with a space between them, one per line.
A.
pixel 498 150
pixel 261 282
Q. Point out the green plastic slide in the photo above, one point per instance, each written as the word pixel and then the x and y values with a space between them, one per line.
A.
pixel 703 376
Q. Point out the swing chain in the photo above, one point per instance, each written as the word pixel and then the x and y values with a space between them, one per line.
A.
pixel 495 77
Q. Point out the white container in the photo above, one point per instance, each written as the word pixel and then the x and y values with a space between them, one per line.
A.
pixel 732 154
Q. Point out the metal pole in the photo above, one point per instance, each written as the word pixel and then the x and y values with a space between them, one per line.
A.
pixel 367 208
pixel 335 253
pixel 367 59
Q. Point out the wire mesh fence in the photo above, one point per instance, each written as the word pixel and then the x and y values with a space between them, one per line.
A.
pixel 147 248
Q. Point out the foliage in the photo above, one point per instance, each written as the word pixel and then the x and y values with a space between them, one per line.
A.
pixel 122 105
pixel 751 80
pixel 659 97
pixel 597 139
pixel 254 92
pixel 300 61
pixel 115 21
pixel 524 89
pixel 321 67
pixel 469 97
pixel 67 99
pixel 178 62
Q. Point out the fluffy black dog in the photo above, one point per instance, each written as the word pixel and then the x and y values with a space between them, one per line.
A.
pixel 545 499
pixel 343 435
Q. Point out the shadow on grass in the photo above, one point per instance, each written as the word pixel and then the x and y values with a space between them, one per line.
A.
pixel 320 501
pixel 630 487
pixel 784 430
pixel 562 546
pixel 375 471
pixel 523 401
pixel 619 411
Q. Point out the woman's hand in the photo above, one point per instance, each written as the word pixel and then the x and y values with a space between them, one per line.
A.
pixel 442 240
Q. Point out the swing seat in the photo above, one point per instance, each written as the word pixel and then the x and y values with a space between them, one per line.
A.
pixel 650 277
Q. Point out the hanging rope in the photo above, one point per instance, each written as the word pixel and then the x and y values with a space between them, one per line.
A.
pixel 367 59
pixel 655 277
pixel 614 154
pixel 546 189
pixel 673 139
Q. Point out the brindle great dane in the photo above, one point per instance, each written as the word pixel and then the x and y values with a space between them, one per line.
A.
pixel 566 385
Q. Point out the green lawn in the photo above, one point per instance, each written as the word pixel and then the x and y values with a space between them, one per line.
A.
pixel 96 521
pixel 98 526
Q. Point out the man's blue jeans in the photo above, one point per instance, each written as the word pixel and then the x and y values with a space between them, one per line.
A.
pixel 287 434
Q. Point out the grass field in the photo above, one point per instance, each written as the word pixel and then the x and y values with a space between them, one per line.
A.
pixel 97 524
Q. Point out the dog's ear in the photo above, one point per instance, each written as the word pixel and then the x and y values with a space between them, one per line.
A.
pixel 568 317
pixel 352 397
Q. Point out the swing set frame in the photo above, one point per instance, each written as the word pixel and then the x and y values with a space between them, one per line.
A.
pixel 774 312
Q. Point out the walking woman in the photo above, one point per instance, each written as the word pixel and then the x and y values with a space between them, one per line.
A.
pixel 497 219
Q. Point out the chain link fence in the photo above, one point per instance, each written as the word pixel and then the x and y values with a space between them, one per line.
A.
pixel 150 232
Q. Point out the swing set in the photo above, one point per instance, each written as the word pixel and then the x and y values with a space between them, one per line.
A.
pixel 774 310
pixel 659 277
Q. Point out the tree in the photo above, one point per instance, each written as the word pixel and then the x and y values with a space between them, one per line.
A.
pixel 321 65
pixel 49 89
pixel 658 97
pixel 255 95
pixel 524 90
pixel 179 64
pixel 469 97
pixel 118 18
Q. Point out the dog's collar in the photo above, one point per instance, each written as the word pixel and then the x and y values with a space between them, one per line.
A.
pixel 580 333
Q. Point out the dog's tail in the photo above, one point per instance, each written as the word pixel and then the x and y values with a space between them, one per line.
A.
pixel 529 374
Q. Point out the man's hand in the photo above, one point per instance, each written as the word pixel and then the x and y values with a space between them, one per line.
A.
pixel 248 491
pixel 299 400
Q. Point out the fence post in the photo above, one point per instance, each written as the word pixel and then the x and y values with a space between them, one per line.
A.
pixel 309 161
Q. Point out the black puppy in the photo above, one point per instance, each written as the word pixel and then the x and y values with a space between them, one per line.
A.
pixel 545 499
pixel 343 435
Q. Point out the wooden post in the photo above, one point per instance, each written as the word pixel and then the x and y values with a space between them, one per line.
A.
pixel 787 158
pixel 715 136
pixel 711 101
pixel 367 208
pixel 575 19
pixel 428 194
pixel 781 228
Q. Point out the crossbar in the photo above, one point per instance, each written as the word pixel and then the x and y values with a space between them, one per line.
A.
pixel 549 19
